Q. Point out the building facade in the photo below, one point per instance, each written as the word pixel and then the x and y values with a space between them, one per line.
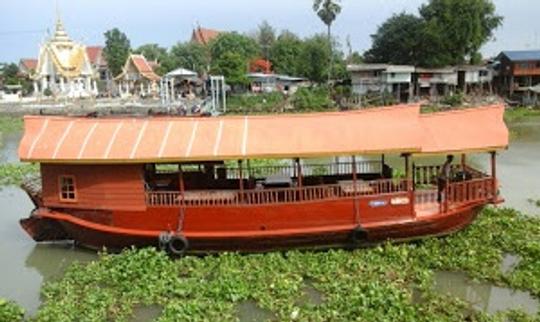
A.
pixel 64 69
pixel 518 72
pixel 137 78
pixel 382 78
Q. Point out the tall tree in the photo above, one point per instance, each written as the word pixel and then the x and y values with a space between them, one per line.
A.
pixel 233 66
pixel 328 10
pixel 266 36
pixel 190 55
pixel 459 27
pixel 397 41
pixel 116 51
pixel 285 53
pixel 152 52
pixel 246 47
pixel 315 53
pixel 447 32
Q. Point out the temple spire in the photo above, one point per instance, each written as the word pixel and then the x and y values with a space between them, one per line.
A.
pixel 60 34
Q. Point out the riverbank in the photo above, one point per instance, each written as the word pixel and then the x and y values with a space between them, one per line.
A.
pixel 385 283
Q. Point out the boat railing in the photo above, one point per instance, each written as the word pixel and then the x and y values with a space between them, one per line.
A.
pixel 425 175
pixel 209 198
pixel 476 190
pixel 311 169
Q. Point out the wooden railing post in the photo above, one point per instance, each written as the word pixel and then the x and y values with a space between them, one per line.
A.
pixel 240 174
pixel 494 175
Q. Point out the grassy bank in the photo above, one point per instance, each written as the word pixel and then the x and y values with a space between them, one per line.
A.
pixel 376 284
pixel 10 124
pixel 517 114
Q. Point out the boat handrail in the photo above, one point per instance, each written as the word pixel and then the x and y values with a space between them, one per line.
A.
pixel 308 169
pixel 344 189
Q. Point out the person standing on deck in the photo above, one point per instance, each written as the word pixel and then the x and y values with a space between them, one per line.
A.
pixel 444 175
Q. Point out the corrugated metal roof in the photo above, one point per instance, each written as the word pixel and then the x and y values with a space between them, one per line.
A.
pixel 521 55
pixel 175 139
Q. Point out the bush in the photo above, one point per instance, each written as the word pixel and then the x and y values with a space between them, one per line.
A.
pixel 312 99
pixel 453 99
pixel 255 103
pixel 47 92
pixel 10 312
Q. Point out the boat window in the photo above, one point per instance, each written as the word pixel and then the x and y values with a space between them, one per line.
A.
pixel 67 188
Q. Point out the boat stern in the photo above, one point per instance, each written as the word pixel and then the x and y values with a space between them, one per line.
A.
pixel 43 229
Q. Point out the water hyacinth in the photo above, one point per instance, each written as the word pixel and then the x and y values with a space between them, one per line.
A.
pixel 390 282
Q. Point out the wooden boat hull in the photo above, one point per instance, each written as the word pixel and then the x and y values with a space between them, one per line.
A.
pixel 97 235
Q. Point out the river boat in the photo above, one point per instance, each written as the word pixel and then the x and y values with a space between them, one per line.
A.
pixel 193 184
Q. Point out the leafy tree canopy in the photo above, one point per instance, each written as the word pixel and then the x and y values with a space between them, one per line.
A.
pixel 447 32
pixel 397 41
pixel 190 56
pixel 285 53
pixel 232 42
pixel 116 51
pixel 233 66
pixel 315 53
pixel 266 36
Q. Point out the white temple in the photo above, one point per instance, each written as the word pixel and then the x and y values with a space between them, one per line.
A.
pixel 64 67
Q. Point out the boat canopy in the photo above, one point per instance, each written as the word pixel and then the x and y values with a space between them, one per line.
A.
pixel 159 139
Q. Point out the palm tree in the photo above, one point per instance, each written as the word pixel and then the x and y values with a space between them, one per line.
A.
pixel 328 10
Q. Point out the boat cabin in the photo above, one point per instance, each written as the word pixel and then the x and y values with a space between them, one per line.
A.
pixel 259 182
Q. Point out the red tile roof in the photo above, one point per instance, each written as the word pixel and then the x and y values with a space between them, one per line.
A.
pixel 29 63
pixel 95 55
pixel 144 68
pixel 203 36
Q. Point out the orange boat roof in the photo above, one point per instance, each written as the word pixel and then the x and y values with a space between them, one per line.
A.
pixel 397 129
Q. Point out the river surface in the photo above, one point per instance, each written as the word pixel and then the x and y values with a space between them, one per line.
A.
pixel 26 266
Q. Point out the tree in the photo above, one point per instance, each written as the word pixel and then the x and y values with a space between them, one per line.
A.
pixel 266 36
pixel 447 32
pixel 328 10
pixel 315 53
pixel 116 51
pixel 152 52
pixel 285 53
pixel 397 41
pixel 233 66
pixel 232 42
pixel 190 55
pixel 459 27
pixel 10 73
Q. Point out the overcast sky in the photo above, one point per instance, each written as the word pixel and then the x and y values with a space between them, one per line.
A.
pixel 24 23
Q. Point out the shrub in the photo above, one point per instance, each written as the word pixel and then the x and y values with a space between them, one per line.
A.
pixel 312 99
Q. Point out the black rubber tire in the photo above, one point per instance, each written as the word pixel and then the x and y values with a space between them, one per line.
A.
pixel 178 245
pixel 359 235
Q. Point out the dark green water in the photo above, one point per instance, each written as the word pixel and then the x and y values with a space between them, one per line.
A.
pixel 25 265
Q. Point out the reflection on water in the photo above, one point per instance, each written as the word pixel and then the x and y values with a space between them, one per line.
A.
pixel 25 265
pixel 249 311
pixel 509 262
pixel 310 295
pixel 484 296
pixel 9 144
pixel 146 313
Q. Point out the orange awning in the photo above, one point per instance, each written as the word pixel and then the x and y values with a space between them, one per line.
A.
pixel 176 139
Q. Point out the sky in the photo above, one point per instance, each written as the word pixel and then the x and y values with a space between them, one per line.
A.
pixel 24 23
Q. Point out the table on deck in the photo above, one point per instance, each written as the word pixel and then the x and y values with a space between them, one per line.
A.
pixel 362 187
pixel 224 195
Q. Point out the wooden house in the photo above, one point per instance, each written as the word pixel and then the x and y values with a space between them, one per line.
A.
pixel 435 81
pixel 393 79
pixel 518 71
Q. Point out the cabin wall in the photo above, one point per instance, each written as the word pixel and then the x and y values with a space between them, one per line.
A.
pixel 107 187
